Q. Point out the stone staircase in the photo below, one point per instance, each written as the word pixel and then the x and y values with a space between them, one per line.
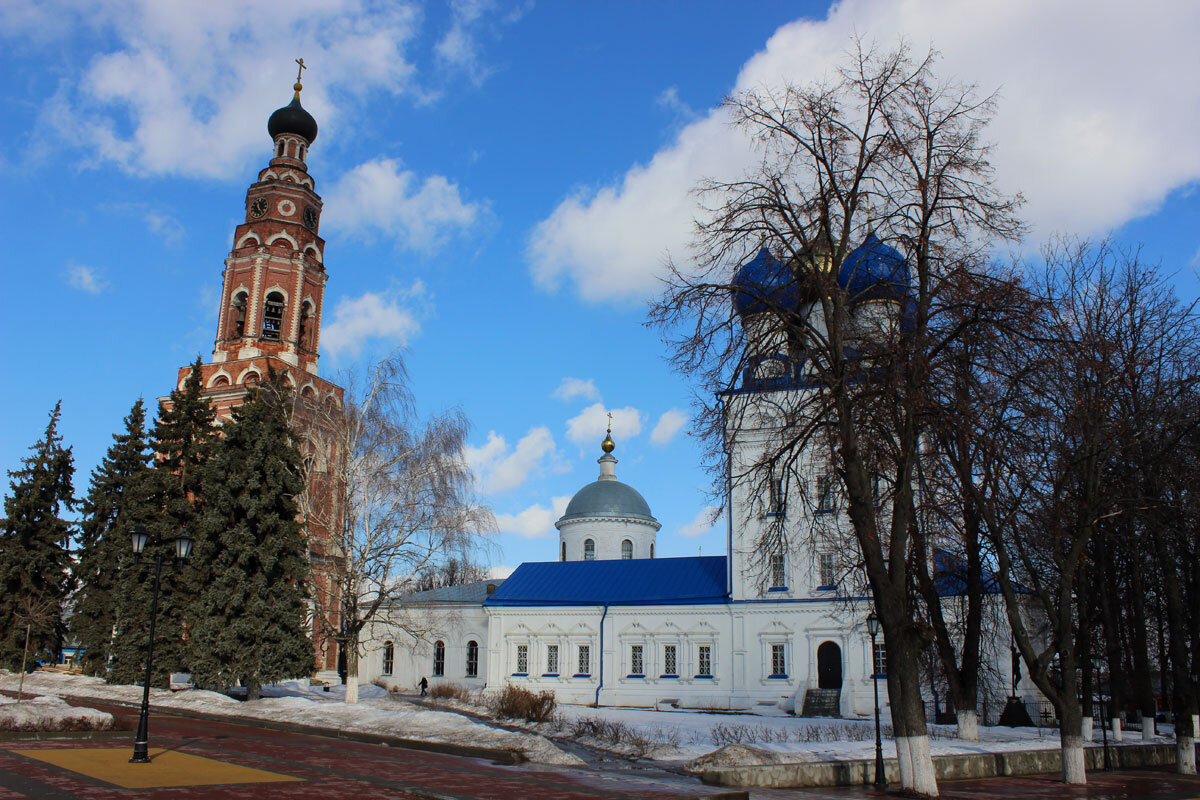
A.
pixel 822 703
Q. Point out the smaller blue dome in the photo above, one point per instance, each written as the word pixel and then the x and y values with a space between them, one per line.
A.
pixel 874 271
pixel 764 283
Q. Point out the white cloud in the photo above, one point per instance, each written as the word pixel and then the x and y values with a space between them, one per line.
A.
pixel 500 470
pixel 499 571
pixel 85 279
pixel 164 225
pixel 589 425
pixel 1092 138
pixel 704 522
pixel 181 89
pixel 535 522
pixel 380 197
pixel 668 425
pixel 373 315
pixel 570 388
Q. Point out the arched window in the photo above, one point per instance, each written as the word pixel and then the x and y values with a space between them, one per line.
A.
pixel 237 317
pixel 439 658
pixel 389 657
pixel 652 551
pixel 301 152
pixel 563 557
pixel 305 313
pixel 273 317
pixel 279 149
pixel 589 550
pixel 626 549
pixel 472 659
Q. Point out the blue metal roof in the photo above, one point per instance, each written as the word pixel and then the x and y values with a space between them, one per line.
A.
pixel 643 581
pixel 950 576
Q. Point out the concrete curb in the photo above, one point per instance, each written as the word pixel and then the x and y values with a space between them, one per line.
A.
pixel 497 755
pixel 951 767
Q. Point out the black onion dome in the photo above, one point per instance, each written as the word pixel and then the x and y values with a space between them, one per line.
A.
pixel 292 118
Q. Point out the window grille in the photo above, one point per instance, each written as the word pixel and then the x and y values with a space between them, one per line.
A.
pixel 439 658
pixel 523 658
pixel 778 576
pixel 626 549
pixel 552 659
pixel 585 659
pixel 880 659
pixel 669 665
pixel 636 665
pixel 705 660
pixel 828 574
pixel 778 661
pixel 825 500
pixel 472 659
pixel 389 657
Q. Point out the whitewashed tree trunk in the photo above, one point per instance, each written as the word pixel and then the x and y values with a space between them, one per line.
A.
pixel 351 688
pixel 1088 733
pixel 1185 755
pixel 922 778
pixel 352 670
pixel 903 760
pixel 1116 729
pixel 968 725
pixel 1073 770
pixel 1148 728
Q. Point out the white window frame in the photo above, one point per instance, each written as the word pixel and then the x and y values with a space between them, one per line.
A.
pixel 582 666
pixel 520 653
pixel 552 660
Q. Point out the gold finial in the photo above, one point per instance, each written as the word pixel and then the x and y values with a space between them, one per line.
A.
pixel 608 444
pixel 299 72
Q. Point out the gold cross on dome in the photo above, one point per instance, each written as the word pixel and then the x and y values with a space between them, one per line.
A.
pixel 300 71
pixel 610 422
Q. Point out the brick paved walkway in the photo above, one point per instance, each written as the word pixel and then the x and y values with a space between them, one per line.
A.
pixel 329 768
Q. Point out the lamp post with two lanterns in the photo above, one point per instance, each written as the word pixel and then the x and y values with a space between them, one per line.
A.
pixel 183 549
pixel 873 630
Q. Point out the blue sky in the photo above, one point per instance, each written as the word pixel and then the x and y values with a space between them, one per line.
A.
pixel 501 184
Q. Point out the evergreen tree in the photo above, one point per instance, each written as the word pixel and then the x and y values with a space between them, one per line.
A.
pixel 34 547
pixel 251 626
pixel 119 498
pixel 183 440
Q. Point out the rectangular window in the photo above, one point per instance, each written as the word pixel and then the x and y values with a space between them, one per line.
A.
pixel 551 659
pixel 828 575
pixel 778 662
pixel 778 578
pixel 825 493
pixel 880 660
pixel 389 658
pixel 523 659
pixel 777 499
pixel 705 661
pixel 669 666
pixel 636 665
pixel 585 659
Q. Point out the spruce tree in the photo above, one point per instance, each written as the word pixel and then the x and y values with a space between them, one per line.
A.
pixel 118 499
pixel 183 440
pixel 34 547
pixel 251 626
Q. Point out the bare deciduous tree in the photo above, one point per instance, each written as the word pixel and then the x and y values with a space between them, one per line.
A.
pixel 392 495
pixel 887 146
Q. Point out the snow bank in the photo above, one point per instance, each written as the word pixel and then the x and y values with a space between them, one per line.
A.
pixel 50 713
pixel 296 702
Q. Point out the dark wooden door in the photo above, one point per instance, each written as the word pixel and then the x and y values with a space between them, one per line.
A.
pixel 829 666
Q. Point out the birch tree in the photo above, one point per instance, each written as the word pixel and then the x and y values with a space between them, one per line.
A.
pixel 390 495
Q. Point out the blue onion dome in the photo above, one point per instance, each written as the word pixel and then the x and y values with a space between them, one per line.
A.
pixel 874 271
pixel 292 118
pixel 764 283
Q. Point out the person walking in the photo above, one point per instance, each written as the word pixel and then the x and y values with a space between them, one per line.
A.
pixel 424 684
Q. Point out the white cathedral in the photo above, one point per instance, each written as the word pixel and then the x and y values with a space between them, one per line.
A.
pixel 610 624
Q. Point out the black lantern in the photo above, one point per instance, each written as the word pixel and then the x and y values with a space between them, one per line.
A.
pixel 183 544
pixel 140 538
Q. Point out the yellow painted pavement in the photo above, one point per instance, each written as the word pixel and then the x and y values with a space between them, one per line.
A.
pixel 167 768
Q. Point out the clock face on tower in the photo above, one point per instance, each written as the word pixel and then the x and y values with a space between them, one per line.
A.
pixel 258 207
pixel 310 217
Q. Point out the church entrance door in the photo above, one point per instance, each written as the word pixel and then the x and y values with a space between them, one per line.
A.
pixel 829 666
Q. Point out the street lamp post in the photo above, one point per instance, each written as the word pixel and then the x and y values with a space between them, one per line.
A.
pixel 873 629
pixel 183 548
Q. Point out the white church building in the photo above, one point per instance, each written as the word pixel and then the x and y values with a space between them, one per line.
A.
pixel 608 623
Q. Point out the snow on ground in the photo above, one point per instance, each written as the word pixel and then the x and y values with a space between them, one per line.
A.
pixel 49 713
pixel 296 702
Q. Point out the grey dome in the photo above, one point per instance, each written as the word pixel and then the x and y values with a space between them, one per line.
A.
pixel 608 498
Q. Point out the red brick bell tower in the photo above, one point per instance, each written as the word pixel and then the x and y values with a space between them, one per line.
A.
pixel 272 303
